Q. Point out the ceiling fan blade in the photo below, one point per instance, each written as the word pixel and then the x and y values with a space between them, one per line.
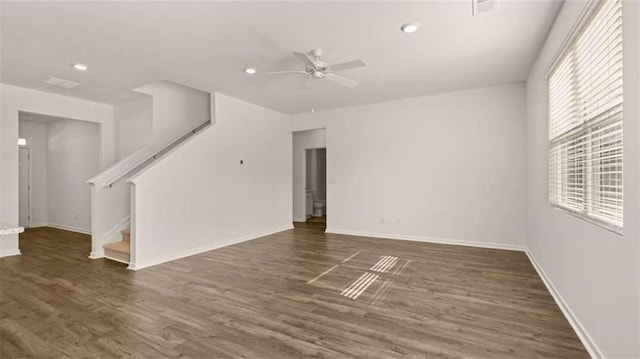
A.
pixel 305 58
pixel 341 80
pixel 287 73
pixel 348 65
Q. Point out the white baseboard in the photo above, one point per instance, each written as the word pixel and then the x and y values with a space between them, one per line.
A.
pixel 96 255
pixel 299 219
pixel 457 242
pixel 68 228
pixel 37 225
pixel 137 266
pixel 580 330
pixel 9 253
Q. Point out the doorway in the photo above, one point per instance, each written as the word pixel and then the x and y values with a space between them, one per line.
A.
pixel 310 179
pixel 56 158
pixel 24 187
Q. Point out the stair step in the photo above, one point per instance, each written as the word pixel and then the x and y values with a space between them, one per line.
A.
pixel 118 251
pixel 122 247
pixel 126 234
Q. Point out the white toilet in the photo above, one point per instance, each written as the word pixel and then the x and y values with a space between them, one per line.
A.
pixel 318 208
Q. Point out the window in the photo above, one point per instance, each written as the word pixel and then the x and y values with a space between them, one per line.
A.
pixel 585 120
pixel 22 141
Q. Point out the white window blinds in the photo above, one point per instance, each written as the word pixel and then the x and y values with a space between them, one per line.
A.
pixel 585 120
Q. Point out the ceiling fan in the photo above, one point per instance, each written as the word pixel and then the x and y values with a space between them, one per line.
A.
pixel 316 69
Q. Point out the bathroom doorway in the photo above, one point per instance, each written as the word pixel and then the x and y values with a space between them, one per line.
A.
pixel 316 185
pixel 309 183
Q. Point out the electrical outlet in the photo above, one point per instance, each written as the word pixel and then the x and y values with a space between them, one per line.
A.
pixel 381 220
pixel 397 220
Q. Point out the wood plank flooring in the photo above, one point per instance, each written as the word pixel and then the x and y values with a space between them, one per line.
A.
pixel 322 220
pixel 266 298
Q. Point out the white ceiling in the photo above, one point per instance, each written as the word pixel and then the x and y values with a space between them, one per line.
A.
pixel 207 45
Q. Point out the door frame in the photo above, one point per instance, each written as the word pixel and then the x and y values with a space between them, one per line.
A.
pixel 29 178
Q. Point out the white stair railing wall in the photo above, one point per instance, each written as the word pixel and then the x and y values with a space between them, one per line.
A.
pixel 111 199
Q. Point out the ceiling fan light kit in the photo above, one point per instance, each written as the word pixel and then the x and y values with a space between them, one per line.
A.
pixel 410 27
pixel 317 69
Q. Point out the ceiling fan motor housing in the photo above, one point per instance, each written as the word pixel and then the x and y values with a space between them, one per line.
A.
pixel 316 53
pixel 320 70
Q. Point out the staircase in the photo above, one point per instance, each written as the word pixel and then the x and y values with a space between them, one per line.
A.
pixel 119 251
pixel 111 197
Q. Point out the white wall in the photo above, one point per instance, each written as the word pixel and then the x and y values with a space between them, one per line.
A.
pixel 200 197
pixel 14 99
pixel 308 160
pixel 36 135
pixel 593 270
pixel 133 123
pixel 321 158
pixel 64 154
pixel 72 159
pixel 312 172
pixel 316 173
pixel 176 109
pixel 447 167
pixel 301 141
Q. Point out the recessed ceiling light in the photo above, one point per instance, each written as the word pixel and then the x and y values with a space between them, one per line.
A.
pixel 80 67
pixel 410 27
pixel 250 70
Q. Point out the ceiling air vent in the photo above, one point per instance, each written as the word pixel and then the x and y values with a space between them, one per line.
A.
pixel 61 83
pixel 480 6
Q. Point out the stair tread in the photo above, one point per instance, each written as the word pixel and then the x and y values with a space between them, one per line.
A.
pixel 126 231
pixel 121 247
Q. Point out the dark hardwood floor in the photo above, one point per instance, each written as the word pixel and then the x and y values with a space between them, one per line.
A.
pixel 322 220
pixel 266 298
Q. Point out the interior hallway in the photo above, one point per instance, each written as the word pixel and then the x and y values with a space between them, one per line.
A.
pixel 420 299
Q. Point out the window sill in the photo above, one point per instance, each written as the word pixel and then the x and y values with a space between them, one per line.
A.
pixel 589 219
